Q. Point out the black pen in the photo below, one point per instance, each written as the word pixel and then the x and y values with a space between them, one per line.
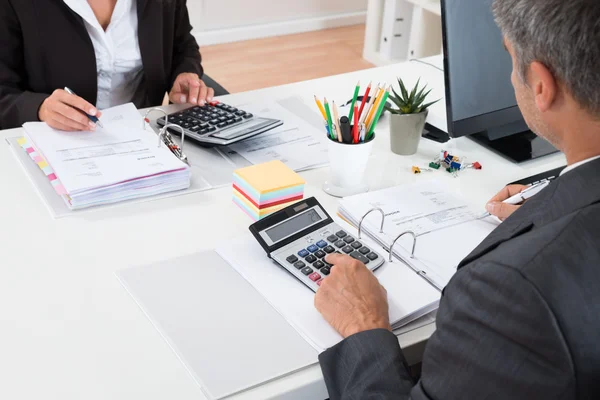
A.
pixel 345 130
pixel 91 117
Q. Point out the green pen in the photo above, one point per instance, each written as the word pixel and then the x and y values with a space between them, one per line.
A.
pixel 329 121
pixel 356 90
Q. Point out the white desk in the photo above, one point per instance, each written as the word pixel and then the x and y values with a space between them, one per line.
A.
pixel 68 329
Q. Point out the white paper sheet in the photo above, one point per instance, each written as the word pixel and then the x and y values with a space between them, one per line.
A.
pixel 296 143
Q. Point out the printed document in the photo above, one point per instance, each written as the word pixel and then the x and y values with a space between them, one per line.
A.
pixel 296 143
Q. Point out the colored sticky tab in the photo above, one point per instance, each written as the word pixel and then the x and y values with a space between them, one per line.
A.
pixel 52 176
pixel 42 164
pixel 38 159
pixel 22 141
pixel 29 150
pixel 60 189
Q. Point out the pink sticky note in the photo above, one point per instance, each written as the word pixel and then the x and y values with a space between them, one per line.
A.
pixel 60 189
pixel 38 159
pixel 52 176
pixel 30 150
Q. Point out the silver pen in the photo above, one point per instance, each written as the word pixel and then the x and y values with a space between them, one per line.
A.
pixel 91 117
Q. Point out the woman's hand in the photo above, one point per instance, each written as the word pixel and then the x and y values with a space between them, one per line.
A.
pixel 503 210
pixel 67 112
pixel 189 88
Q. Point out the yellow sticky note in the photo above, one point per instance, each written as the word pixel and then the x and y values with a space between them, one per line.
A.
pixel 42 164
pixel 269 177
pixel 21 141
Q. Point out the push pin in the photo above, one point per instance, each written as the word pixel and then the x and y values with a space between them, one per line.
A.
pixel 476 165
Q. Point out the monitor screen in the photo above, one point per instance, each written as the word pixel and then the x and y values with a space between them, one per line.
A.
pixel 479 92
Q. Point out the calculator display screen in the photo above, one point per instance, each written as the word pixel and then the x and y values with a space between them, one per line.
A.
pixel 293 225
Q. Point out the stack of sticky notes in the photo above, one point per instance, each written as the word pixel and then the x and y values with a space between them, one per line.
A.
pixel 262 189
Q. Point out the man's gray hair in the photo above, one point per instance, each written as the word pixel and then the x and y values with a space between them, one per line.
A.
pixel 564 35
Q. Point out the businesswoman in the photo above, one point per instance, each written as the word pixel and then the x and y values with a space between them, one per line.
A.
pixel 108 52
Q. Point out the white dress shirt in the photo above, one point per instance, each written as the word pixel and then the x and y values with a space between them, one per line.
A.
pixel 118 57
pixel 580 163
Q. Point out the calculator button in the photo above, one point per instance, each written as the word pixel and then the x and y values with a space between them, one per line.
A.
pixel 364 250
pixel 320 254
pixel 312 248
pixel 348 249
pixel 299 265
pixel 319 282
pixel 311 259
pixel 247 116
pixel 341 234
pixel 292 259
pixel 328 249
pixel 357 256
pixel 340 243
pixel 307 271
pixel 325 270
pixel 332 238
pixel 372 256
pixel 348 239
pixel 314 277
pixel 322 243
pixel 303 253
pixel 357 245
pixel 319 264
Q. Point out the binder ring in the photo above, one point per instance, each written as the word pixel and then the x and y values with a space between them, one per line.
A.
pixel 412 255
pixel 150 111
pixel 365 216
pixel 165 136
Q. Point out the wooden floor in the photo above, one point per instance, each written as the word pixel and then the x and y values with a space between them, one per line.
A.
pixel 260 63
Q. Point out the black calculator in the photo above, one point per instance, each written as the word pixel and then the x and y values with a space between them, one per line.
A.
pixel 217 123
pixel 300 236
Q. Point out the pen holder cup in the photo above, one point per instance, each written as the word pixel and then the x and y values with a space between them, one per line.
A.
pixel 347 165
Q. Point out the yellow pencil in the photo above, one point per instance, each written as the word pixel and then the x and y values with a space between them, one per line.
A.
pixel 375 106
pixel 336 121
pixel 321 108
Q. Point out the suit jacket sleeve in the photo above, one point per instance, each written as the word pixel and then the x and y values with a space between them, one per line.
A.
pixel 186 53
pixel 17 105
pixel 496 338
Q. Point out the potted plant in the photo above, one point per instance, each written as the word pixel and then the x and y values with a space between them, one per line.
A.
pixel 408 119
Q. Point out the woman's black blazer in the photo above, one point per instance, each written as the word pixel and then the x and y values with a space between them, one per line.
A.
pixel 44 46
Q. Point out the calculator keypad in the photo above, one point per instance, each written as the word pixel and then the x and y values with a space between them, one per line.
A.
pixel 309 260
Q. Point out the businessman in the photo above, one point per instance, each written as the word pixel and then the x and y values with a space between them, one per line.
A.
pixel 521 317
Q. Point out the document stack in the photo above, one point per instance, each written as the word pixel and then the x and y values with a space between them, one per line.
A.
pixel 113 164
pixel 262 189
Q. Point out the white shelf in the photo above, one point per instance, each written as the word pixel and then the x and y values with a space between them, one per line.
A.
pixel 433 6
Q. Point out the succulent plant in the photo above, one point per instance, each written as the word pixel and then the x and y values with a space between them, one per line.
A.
pixel 412 103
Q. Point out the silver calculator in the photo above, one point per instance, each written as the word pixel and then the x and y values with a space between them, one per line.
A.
pixel 300 236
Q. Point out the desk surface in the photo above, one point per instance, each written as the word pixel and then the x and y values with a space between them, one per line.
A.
pixel 69 330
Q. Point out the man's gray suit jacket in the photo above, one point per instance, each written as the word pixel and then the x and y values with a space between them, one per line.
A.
pixel 519 320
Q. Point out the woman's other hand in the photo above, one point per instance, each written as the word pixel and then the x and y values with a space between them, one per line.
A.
pixel 189 88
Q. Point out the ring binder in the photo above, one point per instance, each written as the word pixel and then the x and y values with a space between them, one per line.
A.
pixel 167 139
pixel 412 255
pixel 365 216
pixel 165 136
pixel 155 109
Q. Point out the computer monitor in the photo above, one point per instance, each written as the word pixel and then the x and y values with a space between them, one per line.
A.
pixel 479 95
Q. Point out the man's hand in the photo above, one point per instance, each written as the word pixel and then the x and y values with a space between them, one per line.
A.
pixel 502 210
pixel 189 88
pixel 351 298
pixel 65 111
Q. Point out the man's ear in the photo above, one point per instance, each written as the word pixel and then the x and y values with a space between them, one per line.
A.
pixel 544 86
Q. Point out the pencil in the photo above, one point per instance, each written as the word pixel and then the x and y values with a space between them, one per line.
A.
pixel 369 106
pixel 328 113
pixel 378 115
pixel 336 122
pixel 364 100
pixel 355 127
pixel 356 90
pixel 321 109
pixel 373 109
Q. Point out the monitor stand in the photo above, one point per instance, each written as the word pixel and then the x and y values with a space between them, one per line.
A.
pixel 520 147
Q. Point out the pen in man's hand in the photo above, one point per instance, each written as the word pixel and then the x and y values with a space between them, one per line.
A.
pixel 524 195
pixel 91 117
